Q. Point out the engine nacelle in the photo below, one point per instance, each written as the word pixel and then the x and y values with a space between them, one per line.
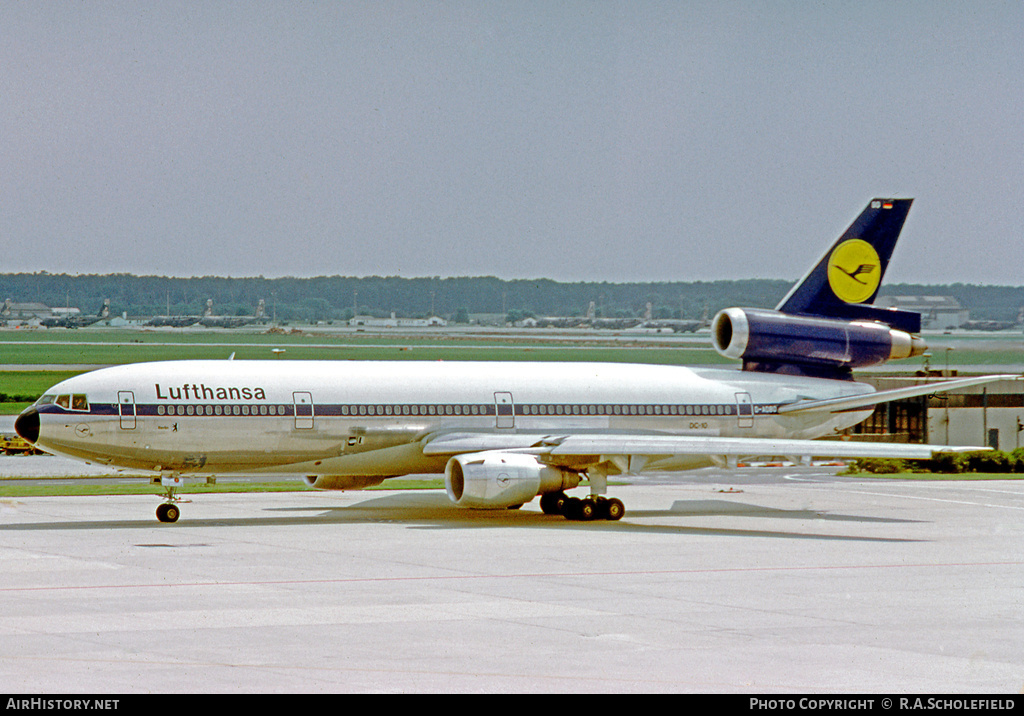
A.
pixel 764 339
pixel 499 480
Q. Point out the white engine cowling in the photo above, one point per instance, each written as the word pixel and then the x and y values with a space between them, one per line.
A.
pixel 497 480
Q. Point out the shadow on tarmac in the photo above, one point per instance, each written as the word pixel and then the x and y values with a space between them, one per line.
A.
pixel 432 510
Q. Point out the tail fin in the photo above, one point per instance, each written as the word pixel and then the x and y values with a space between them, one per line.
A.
pixel 845 281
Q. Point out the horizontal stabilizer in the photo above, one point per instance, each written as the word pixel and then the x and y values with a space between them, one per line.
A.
pixel 837 405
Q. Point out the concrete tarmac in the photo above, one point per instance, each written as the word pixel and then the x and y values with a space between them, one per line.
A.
pixel 761 581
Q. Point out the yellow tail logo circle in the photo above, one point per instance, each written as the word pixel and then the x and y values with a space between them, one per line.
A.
pixel 854 271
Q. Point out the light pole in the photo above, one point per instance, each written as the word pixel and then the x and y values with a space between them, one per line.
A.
pixel 948 349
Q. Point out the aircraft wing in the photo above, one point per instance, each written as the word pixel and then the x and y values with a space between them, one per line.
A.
pixel 602 446
pixel 853 402
pixel 737 447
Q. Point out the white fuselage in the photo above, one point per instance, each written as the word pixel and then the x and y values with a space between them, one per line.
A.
pixel 370 418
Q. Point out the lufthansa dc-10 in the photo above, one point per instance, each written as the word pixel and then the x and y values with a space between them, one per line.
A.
pixel 503 433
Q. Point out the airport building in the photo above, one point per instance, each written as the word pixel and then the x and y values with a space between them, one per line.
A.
pixel 938 313
pixel 394 322
pixel 14 313
pixel 989 415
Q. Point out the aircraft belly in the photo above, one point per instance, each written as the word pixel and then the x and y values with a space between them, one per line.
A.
pixel 383 462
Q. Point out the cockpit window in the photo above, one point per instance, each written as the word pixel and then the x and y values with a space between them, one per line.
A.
pixel 78 401
pixel 46 400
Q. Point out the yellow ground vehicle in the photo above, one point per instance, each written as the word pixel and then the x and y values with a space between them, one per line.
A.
pixel 15 445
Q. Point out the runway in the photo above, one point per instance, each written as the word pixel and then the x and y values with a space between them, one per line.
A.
pixel 763 581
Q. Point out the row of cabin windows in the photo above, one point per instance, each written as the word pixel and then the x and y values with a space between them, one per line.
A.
pixel 415 410
pixel 539 410
pixel 627 410
pixel 223 410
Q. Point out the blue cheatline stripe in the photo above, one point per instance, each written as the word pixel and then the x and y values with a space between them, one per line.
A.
pixel 386 410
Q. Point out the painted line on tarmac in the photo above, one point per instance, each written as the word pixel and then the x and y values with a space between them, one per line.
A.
pixel 530 575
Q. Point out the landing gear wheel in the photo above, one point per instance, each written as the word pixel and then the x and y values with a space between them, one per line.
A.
pixel 588 510
pixel 570 510
pixel 168 512
pixel 553 503
pixel 583 510
pixel 614 509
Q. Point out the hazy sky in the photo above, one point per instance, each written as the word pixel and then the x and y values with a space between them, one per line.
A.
pixel 580 141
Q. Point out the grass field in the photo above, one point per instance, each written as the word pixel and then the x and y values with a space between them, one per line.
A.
pixel 107 347
pixel 17 488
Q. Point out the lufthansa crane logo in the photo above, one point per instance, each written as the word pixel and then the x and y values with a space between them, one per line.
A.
pixel 854 271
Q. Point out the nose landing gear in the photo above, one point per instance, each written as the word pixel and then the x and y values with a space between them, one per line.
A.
pixel 168 511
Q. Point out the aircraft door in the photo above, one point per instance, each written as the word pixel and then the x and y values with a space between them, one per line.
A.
pixel 303 410
pixel 126 409
pixel 504 411
pixel 745 410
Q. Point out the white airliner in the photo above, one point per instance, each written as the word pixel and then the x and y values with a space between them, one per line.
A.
pixel 503 433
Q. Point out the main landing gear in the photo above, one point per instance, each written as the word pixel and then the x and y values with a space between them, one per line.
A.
pixel 592 507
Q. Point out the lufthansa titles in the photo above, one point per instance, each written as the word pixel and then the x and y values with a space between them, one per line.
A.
pixel 192 391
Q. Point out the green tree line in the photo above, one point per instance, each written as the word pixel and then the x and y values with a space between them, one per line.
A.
pixel 337 297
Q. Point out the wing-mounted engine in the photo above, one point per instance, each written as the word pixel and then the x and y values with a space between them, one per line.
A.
pixel 498 480
pixel 776 342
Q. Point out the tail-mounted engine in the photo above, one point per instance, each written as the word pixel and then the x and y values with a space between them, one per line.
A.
pixel 499 480
pixel 775 342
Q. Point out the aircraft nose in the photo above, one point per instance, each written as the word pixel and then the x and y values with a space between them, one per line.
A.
pixel 27 425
